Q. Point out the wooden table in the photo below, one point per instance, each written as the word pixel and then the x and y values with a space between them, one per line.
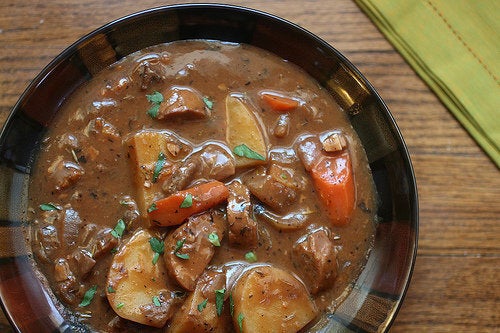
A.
pixel 455 285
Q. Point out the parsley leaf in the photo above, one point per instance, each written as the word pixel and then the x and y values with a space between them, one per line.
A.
pixel 188 201
pixel 117 232
pixel 160 163
pixel 158 247
pixel 214 239
pixel 156 301
pixel 48 207
pixel 152 207
pixel 155 99
pixel 178 247
pixel 219 300
pixel 208 102
pixel 250 257
pixel 202 305
pixel 89 295
pixel 241 316
pixel 120 305
pixel 231 304
pixel 244 151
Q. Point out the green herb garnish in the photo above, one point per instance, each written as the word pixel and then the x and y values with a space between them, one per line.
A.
pixel 231 304
pixel 250 257
pixel 88 296
pixel 156 301
pixel 120 305
pixel 214 239
pixel 219 300
pixel 208 102
pixel 152 208
pixel 243 151
pixel 188 201
pixel 48 207
pixel 155 99
pixel 240 321
pixel 202 305
pixel 111 290
pixel 117 232
pixel 158 247
pixel 160 163
pixel 178 247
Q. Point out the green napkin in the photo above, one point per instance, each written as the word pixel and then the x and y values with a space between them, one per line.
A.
pixel 454 45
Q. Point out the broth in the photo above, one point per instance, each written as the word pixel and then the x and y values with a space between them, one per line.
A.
pixel 172 120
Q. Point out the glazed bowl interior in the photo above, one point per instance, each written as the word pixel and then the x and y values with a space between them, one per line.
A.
pixel 377 293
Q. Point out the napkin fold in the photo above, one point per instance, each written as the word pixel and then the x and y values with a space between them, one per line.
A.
pixel 454 46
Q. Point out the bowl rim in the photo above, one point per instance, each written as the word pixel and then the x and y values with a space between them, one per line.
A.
pixel 405 155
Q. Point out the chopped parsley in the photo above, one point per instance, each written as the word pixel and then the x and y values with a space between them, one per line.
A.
pixel 111 290
pixel 48 207
pixel 244 151
pixel 208 102
pixel 117 232
pixel 120 305
pixel 160 163
pixel 158 247
pixel 219 300
pixel 241 316
pixel 152 208
pixel 202 305
pixel 250 256
pixel 155 99
pixel 156 301
pixel 214 239
pixel 178 247
pixel 231 304
pixel 188 201
pixel 88 296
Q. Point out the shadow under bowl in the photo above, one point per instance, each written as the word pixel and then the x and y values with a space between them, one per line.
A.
pixel 377 294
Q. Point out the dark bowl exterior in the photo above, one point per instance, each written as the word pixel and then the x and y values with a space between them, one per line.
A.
pixel 377 294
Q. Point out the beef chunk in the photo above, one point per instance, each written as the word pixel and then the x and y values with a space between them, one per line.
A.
pixel 212 162
pixel 242 228
pixel 150 69
pixel 64 173
pixel 188 249
pixel 48 240
pixel 83 261
pixel 182 102
pixel 189 319
pixel 271 189
pixel 181 176
pixel 216 163
pixel 103 243
pixel 316 259
pixel 157 315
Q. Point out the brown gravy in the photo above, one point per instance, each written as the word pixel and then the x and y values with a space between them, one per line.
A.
pixel 86 180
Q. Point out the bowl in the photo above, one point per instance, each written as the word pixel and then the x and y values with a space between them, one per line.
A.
pixel 377 293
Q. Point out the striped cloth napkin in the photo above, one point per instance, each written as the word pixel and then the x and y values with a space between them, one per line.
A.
pixel 454 45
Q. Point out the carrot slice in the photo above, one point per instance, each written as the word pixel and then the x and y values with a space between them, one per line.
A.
pixel 175 209
pixel 279 102
pixel 333 179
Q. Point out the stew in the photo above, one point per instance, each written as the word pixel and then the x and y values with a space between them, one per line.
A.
pixel 201 186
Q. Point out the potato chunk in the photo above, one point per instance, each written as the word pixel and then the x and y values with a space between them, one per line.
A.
pixel 136 288
pixel 244 128
pixel 315 257
pixel 145 148
pixel 269 299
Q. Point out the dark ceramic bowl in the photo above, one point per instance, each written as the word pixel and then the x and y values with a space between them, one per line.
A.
pixel 379 290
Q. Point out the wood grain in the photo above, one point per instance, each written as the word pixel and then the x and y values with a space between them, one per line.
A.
pixel 455 286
